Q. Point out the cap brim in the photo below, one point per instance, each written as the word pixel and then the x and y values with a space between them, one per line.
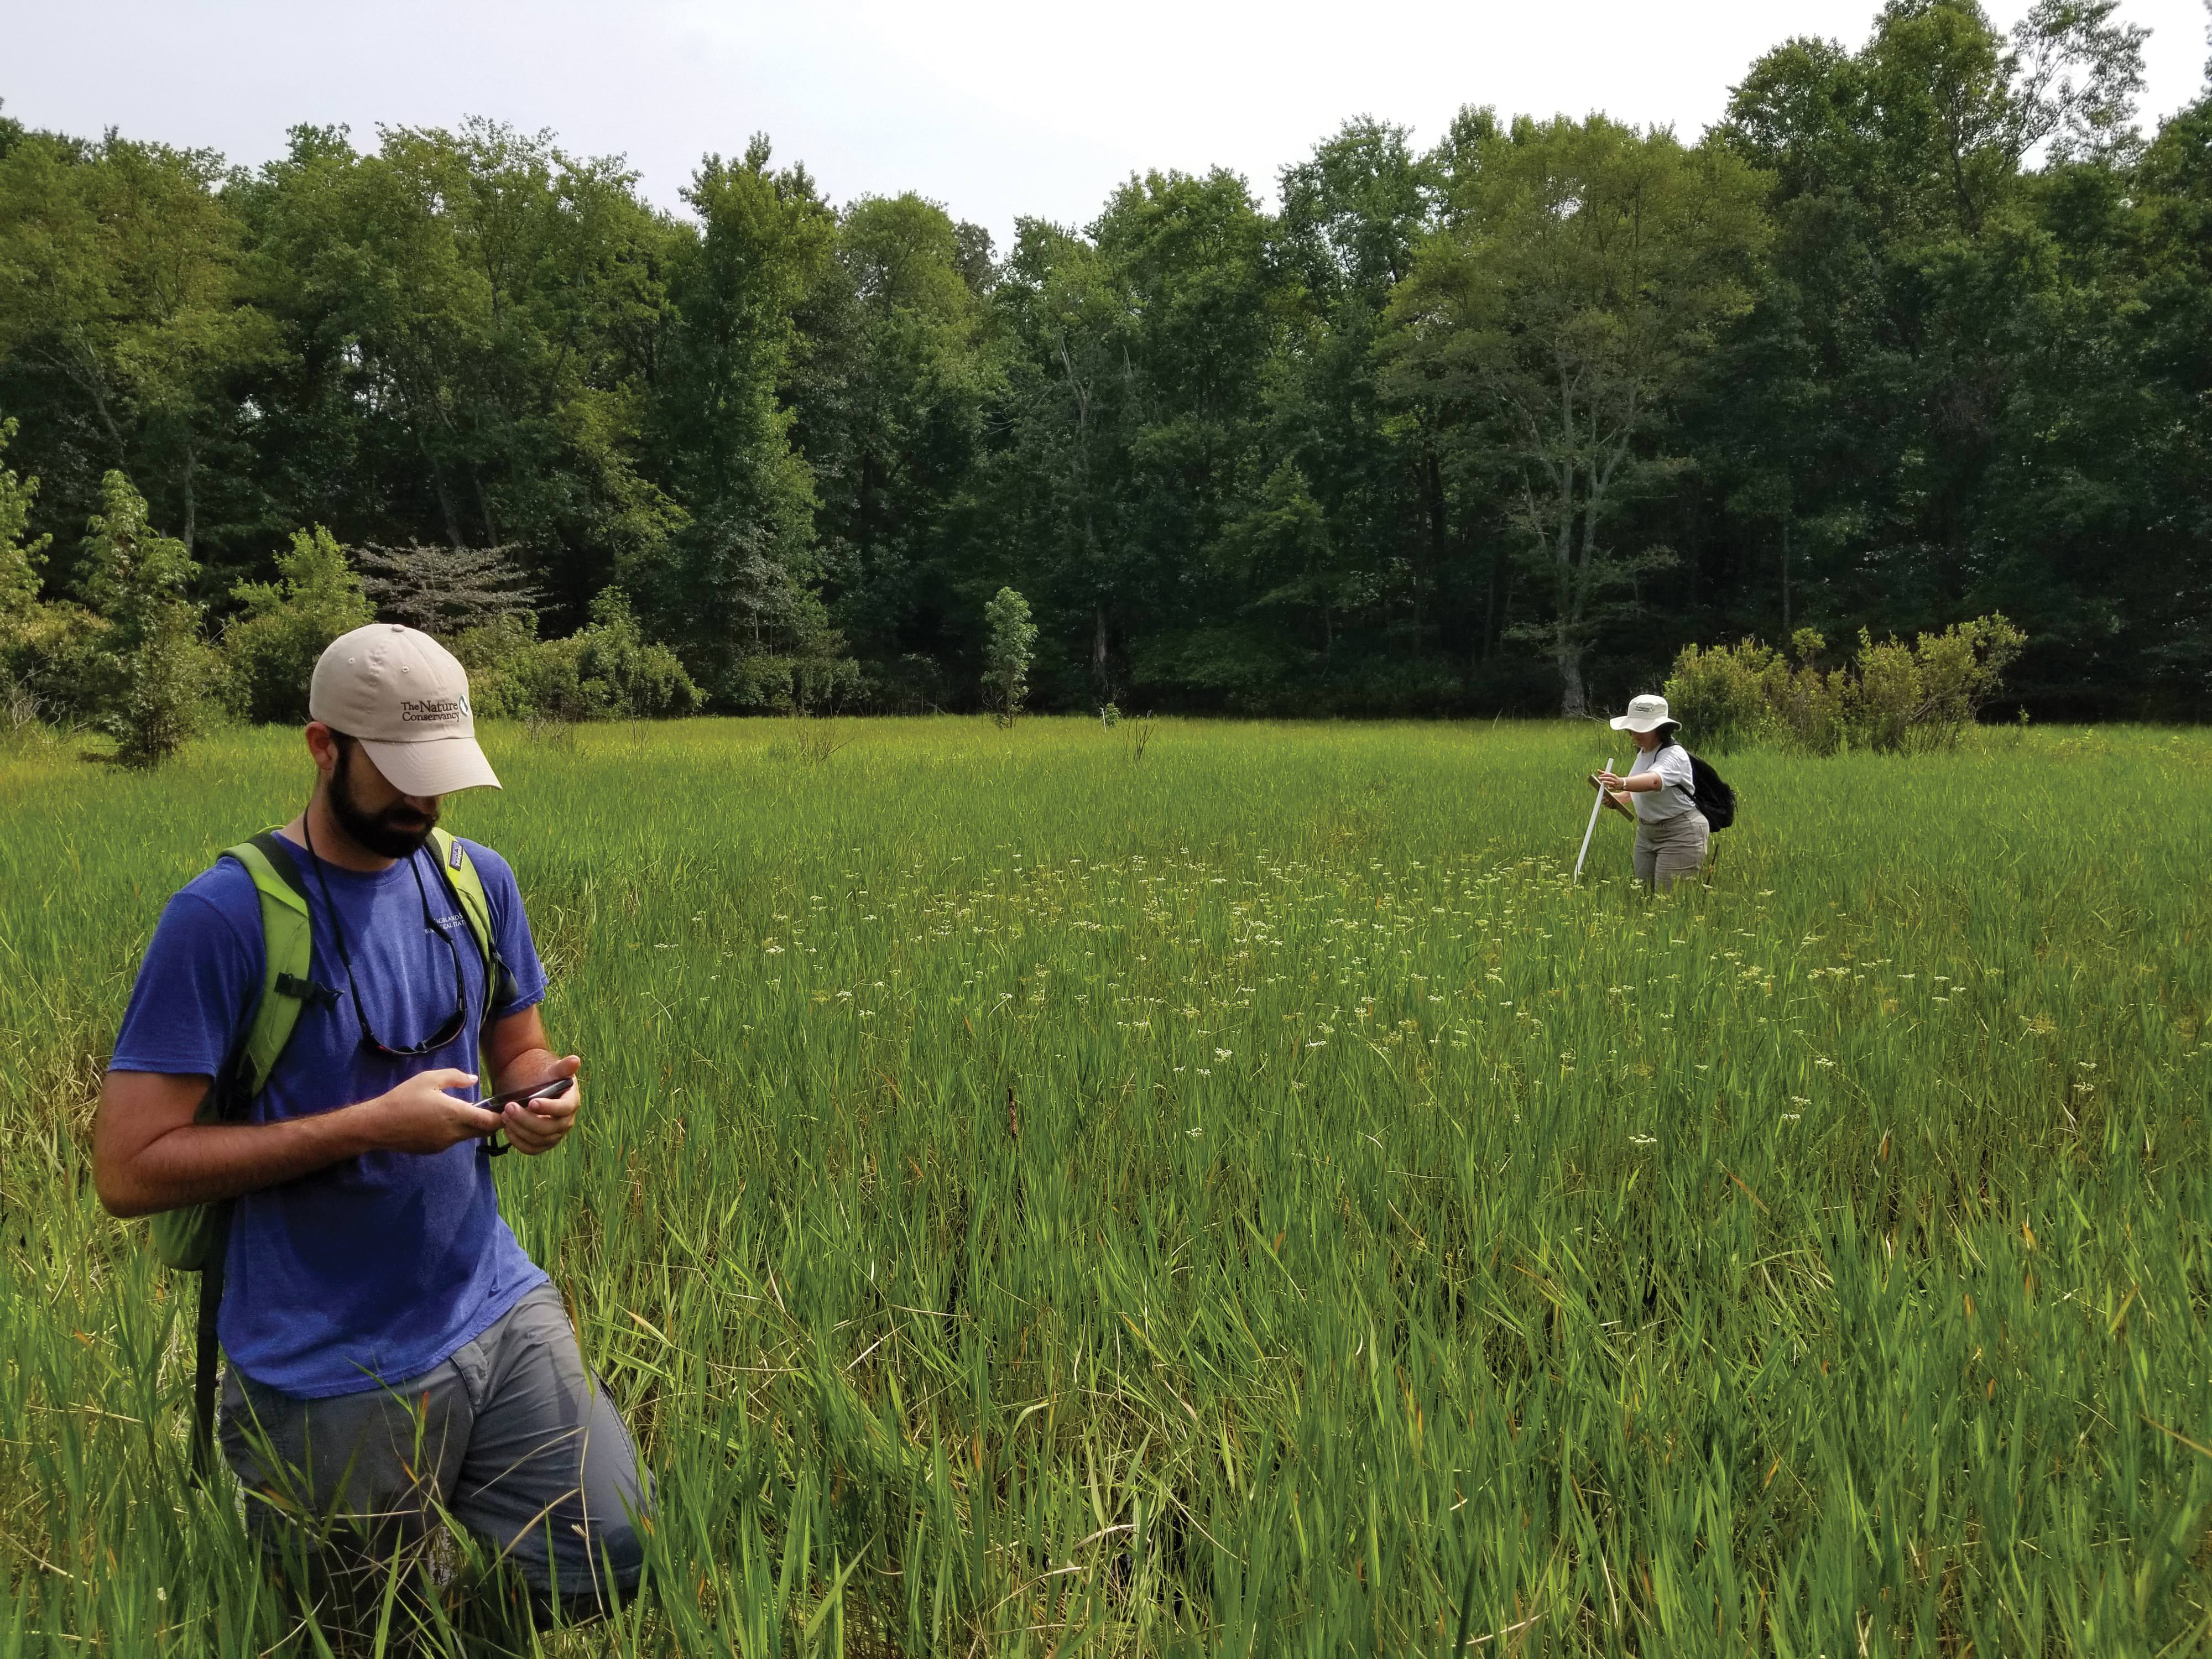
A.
pixel 439 767
pixel 1630 723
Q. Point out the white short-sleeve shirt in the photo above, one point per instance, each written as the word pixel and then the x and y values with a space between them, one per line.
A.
pixel 1675 796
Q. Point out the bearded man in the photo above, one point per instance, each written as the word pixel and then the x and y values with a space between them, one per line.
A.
pixel 393 1355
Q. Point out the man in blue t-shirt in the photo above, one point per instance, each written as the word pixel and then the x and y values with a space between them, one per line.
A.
pixel 393 1354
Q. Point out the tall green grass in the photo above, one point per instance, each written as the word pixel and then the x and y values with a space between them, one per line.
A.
pixel 1033 1199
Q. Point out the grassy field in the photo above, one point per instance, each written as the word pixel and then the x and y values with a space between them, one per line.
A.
pixel 1038 1197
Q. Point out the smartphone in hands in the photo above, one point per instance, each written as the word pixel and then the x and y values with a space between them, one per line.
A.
pixel 552 1090
pixel 549 1090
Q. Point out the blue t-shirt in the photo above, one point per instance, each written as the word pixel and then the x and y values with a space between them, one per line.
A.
pixel 377 1268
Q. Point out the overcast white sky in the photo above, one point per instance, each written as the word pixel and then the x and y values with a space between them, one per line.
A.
pixel 993 107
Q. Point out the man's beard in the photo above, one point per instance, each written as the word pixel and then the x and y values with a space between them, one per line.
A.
pixel 396 832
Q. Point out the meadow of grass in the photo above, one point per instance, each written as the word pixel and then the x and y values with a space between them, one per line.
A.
pixel 1038 1199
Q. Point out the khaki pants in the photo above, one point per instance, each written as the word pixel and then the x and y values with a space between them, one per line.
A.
pixel 1671 848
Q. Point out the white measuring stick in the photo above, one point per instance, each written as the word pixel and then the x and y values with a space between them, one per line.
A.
pixel 1596 806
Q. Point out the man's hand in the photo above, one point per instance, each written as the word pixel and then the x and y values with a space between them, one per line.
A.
pixel 540 1125
pixel 516 1055
pixel 420 1116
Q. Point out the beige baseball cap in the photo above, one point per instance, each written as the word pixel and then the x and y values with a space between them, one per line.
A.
pixel 406 698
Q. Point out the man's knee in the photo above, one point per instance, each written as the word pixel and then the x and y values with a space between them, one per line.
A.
pixel 589 1539
pixel 579 1578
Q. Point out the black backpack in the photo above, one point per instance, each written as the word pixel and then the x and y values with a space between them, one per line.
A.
pixel 1709 791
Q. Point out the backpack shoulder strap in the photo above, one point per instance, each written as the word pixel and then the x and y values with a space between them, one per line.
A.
pixel 196 1237
pixel 461 875
pixel 287 941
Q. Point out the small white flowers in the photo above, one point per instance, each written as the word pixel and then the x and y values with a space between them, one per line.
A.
pixel 1223 1053
pixel 1644 1141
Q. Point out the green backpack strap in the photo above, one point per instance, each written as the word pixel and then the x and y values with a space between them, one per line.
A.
pixel 192 1237
pixel 460 872
pixel 196 1237
pixel 288 974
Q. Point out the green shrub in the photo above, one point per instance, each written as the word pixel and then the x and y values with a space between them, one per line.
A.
pixel 1007 654
pixel 1813 708
pixel 52 657
pixel 161 680
pixel 58 654
pixel 172 691
pixel 781 683
pixel 20 561
pixel 1897 697
pixel 622 675
pixel 1727 695
pixel 606 670
pixel 913 685
pixel 1922 695
pixel 270 647
pixel 499 656
pixel 1959 669
pixel 1885 695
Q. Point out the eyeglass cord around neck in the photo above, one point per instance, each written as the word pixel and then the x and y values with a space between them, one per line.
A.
pixel 454 1024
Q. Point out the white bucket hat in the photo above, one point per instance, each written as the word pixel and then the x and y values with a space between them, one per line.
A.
pixel 1645 713
pixel 404 695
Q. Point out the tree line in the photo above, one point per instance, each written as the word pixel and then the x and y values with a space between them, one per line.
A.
pixel 1921 330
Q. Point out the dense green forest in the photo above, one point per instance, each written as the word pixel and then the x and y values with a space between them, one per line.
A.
pixel 1921 330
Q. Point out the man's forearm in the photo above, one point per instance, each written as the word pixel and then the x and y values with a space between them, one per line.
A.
pixel 204 1163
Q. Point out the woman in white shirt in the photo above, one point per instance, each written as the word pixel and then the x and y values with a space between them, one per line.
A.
pixel 1671 833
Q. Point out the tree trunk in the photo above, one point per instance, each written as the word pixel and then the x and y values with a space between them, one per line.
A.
pixel 483 507
pixel 1439 535
pixel 1491 622
pixel 192 499
pixel 1574 698
pixel 1785 579
pixel 1567 597
pixel 444 495
pixel 1098 654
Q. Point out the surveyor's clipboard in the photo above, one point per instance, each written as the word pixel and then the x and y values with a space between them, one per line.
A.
pixel 1625 812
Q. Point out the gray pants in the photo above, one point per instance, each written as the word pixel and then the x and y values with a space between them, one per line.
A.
pixel 1671 848
pixel 513 1438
